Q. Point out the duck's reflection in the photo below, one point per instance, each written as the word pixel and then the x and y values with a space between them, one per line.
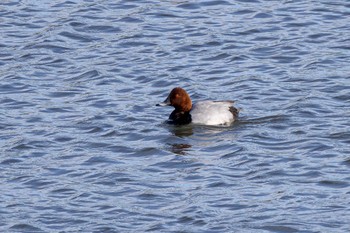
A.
pixel 182 131
pixel 180 148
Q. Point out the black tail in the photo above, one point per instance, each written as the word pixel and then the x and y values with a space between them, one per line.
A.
pixel 234 111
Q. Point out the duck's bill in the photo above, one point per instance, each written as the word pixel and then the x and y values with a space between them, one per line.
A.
pixel 164 103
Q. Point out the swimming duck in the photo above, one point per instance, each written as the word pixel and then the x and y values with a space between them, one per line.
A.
pixel 203 112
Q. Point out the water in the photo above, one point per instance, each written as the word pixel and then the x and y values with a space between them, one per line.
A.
pixel 84 149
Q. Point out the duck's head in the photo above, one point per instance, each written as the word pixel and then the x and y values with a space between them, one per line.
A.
pixel 179 99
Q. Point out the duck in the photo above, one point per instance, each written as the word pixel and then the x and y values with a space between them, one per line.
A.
pixel 205 112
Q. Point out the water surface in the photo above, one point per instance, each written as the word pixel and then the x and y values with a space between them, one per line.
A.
pixel 83 147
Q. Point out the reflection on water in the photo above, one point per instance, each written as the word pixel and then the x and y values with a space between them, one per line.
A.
pixel 182 130
pixel 180 149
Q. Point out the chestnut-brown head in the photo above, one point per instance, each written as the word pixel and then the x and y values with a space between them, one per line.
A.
pixel 179 99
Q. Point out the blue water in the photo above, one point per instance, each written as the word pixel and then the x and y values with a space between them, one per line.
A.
pixel 85 149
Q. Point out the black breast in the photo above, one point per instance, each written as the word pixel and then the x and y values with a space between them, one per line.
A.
pixel 180 118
